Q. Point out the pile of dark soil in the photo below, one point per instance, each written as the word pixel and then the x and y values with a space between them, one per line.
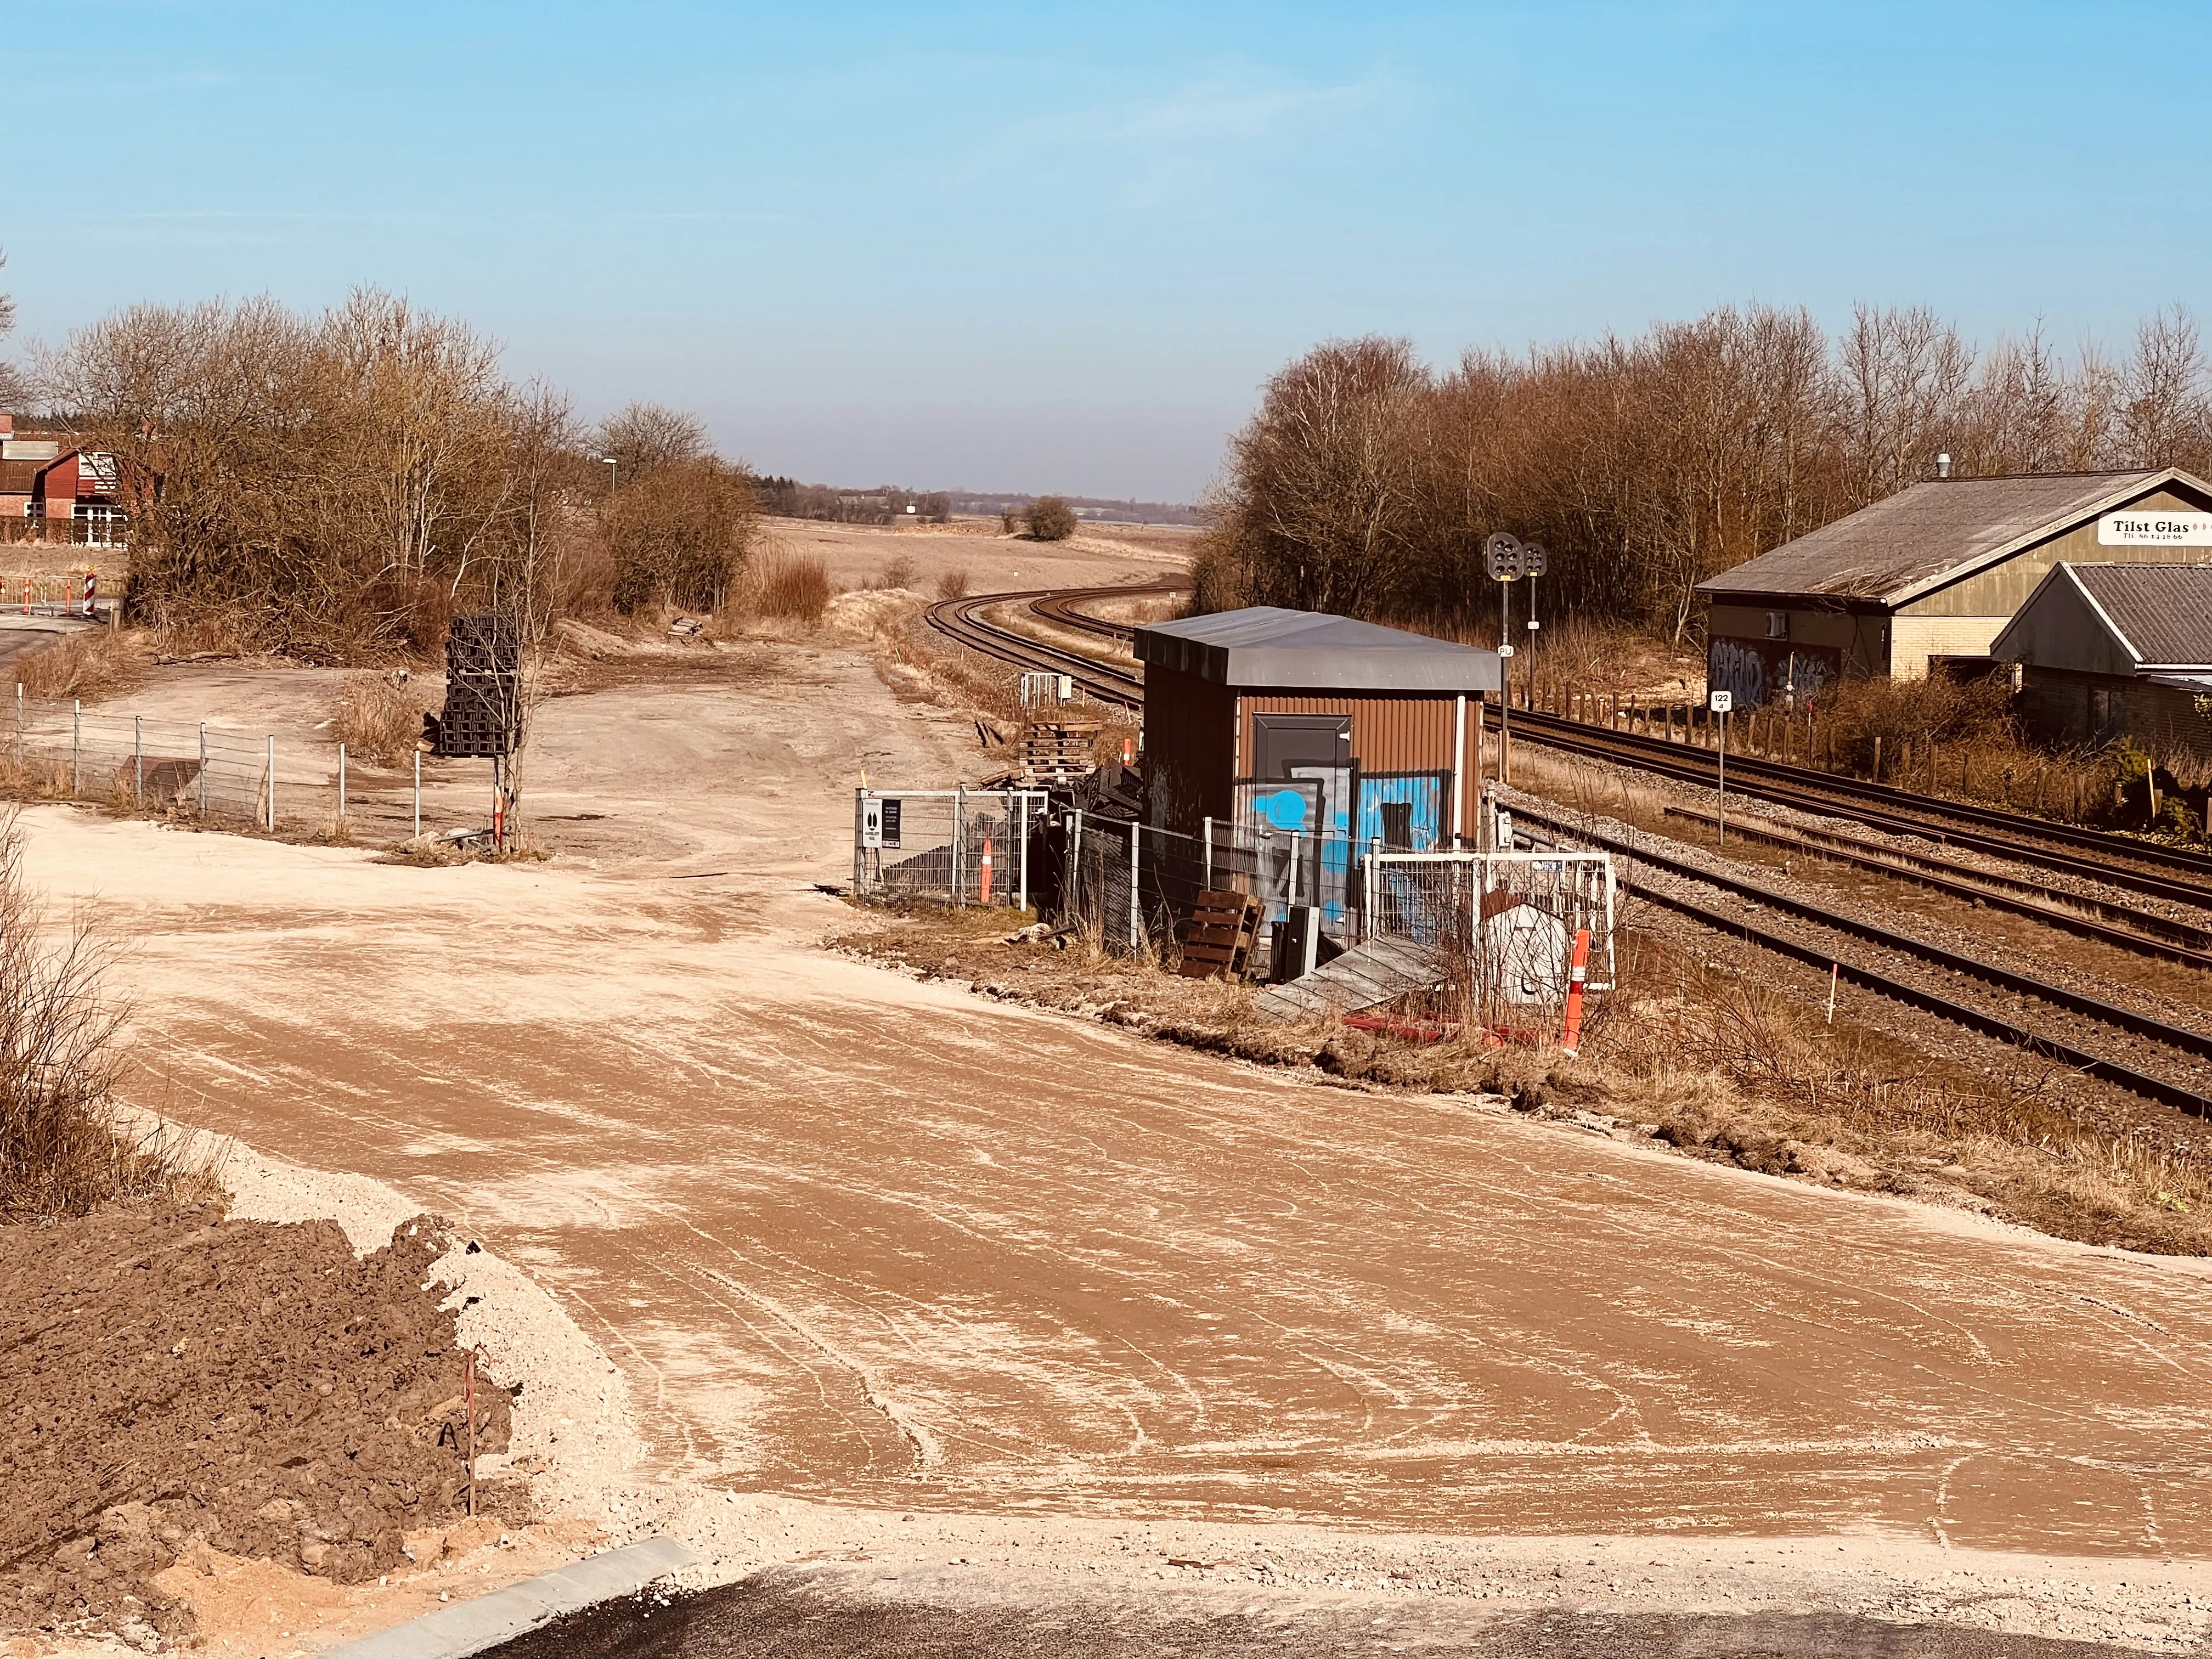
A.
pixel 171 1381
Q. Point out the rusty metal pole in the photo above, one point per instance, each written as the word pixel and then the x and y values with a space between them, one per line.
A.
pixel 471 1363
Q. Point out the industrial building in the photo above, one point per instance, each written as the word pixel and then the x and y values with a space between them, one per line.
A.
pixel 2108 652
pixel 1929 577
pixel 1298 722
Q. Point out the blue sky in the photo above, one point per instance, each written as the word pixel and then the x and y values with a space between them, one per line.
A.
pixel 1058 247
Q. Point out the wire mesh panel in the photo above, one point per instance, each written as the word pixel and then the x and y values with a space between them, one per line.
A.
pixel 1506 921
pixel 952 846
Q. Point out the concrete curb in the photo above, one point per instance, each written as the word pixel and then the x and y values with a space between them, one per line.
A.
pixel 487 1620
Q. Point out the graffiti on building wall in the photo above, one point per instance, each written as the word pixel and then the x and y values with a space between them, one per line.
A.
pixel 1758 672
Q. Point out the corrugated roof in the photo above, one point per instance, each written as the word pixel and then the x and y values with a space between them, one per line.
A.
pixel 1267 646
pixel 2163 611
pixel 1931 531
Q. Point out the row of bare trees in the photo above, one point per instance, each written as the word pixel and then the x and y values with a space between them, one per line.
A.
pixel 336 484
pixel 1367 480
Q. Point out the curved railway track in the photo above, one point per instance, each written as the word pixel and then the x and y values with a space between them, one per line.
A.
pixel 961 620
pixel 2167 1063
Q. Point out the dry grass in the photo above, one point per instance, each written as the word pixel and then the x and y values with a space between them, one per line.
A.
pixel 88 665
pixel 66 1143
pixel 378 720
pixel 791 586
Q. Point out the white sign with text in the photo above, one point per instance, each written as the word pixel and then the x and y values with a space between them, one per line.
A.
pixel 2154 530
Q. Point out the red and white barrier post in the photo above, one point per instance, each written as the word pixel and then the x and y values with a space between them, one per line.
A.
pixel 1570 1034
pixel 986 870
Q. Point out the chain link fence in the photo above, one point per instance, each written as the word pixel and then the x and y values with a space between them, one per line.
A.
pixel 957 847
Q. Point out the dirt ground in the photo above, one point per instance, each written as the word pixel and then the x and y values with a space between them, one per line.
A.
pixel 887 1270
pixel 232 1388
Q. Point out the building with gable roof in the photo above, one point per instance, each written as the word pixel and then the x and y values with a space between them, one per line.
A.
pixel 1929 577
pixel 2109 652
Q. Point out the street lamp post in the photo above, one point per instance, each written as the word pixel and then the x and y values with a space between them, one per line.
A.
pixel 610 460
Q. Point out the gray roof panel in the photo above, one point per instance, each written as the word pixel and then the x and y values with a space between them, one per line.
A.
pixel 1930 532
pixel 2162 611
pixel 1265 645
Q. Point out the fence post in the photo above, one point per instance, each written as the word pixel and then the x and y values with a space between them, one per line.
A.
pixel 138 758
pixel 341 782
pixel 270 823
pixel 1374 886
pixel 859 851
pixel 1297 852
pixel 203 769
pixel 76 748
pixel 418 794
pixel 1136 834
pixel 1071 893
pixel 1208 886
pixel 959 844
pixel 1022 806
pixel 19 725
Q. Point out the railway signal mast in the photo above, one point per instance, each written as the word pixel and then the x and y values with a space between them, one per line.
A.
pixel 1506 558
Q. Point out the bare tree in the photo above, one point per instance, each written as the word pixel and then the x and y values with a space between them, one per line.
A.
pixel 15 390
pixel 643 437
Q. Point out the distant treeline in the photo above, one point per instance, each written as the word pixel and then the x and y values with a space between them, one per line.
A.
pixel 788 498
pixel 1367 481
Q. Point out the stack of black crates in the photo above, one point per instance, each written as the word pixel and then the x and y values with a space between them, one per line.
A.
pixel 483 687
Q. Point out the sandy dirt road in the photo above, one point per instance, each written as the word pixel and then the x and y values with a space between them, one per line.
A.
pixel 865 1241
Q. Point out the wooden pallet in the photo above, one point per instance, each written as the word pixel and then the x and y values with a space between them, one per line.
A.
pixel 1217 936
pixel 1057 751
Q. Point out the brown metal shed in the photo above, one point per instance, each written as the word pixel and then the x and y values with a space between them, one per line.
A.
pixel 1323 723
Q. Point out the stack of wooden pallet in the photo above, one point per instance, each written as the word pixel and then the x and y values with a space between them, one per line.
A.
pixel 1057 751
pixel 1218 936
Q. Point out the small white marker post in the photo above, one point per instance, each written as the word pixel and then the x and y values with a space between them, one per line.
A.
pixel 418 794
pixel 1720 702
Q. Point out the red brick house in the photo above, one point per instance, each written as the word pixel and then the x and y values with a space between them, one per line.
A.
pixel 52 489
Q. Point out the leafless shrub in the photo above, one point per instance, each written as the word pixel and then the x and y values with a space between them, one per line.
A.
pixel 376 719
pixel 65 1143
pixel 679 536
pixel 793 586
pixel 1050 518
pixel 899 573
pixel 952 585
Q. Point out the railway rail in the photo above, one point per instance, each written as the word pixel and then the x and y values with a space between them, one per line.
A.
pixel 961 620
pixel 2164 872
pixel 2181 1083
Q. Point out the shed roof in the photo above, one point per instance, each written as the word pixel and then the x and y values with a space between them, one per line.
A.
pixel 1266 646
pixel 2162 613
pixel 1932 533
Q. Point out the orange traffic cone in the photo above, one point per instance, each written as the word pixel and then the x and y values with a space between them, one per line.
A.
pixel 1570 1034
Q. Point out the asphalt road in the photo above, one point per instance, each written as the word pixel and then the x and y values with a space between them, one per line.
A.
pixel 774 1617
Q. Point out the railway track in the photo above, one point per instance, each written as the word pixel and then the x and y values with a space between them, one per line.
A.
pixel 961 620
pixel 2080 1032
pixel 2164 872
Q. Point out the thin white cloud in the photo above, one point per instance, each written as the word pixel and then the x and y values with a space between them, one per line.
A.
pixel 1155 151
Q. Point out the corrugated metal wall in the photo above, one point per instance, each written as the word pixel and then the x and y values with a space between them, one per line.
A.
pixel 1190 753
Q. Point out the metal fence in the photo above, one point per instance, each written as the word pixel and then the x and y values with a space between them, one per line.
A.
pixel 957 847
pixel 222 775
pixel 1512 916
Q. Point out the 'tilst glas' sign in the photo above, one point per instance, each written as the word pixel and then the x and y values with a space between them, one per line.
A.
pixel 2154 530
